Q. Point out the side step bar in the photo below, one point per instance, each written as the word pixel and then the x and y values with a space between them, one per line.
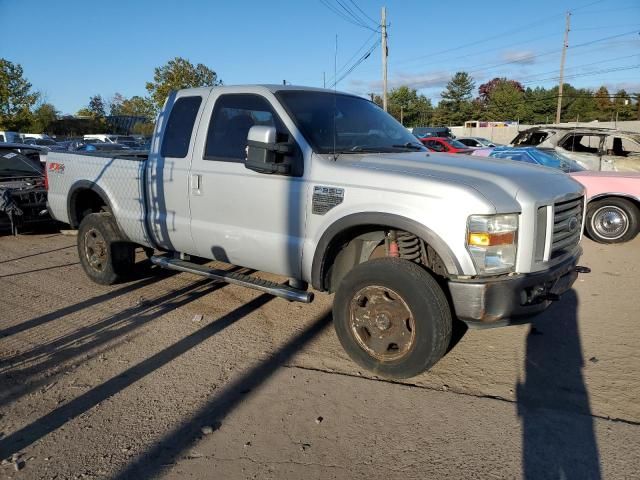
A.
pixel 272 288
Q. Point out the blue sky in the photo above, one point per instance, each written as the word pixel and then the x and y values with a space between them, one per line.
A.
pixel 72 49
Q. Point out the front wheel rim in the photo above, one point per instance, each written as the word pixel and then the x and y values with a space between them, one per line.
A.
pixel 382 323
pixel 610 222
pixel 95 250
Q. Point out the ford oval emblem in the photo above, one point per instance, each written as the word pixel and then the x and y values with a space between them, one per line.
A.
pixel 573 224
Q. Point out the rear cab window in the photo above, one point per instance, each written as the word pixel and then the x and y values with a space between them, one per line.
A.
pixel 177 134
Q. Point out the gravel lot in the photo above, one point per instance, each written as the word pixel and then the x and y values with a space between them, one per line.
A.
pixel 170 376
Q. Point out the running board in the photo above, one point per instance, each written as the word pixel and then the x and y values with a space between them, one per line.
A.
pixel 272 288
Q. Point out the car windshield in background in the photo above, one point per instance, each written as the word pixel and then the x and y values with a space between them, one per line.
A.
pixel 552 158
pixel 457 144
pixel 14 164
pixel 357 126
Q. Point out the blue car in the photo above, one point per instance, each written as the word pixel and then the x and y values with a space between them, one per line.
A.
pixel 547 158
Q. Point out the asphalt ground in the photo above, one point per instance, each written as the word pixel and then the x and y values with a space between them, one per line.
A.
pixel 173 376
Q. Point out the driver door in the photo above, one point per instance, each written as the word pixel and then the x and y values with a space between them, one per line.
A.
pixel 239 216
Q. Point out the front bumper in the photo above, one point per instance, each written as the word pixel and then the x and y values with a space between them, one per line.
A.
pixel 490 302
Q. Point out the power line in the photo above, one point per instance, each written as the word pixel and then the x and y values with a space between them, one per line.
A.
pixel 586 74
pixel 344 66
pixel 348 18
pixel 363 12
pixel 355 65
pixel 533 79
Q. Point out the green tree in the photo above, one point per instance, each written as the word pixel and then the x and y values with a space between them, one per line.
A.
pixel 137 106
pixel 623 105
pixel 456 105
pixel 43 117
pixel 97 107
pixel 176 74
pixel 16 98
pixel 115 104
pixel 604 105
pixel 408 106
pixel 503 100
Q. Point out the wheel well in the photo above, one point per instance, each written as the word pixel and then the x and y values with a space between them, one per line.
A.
pixel 358 244
pixel 634 201
pixel 83 202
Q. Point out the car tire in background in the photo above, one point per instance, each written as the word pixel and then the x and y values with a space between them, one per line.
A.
pixel 105 257
pixel 392 318
pixel 612 220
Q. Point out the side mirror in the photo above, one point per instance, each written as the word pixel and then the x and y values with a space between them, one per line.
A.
pixel 264 153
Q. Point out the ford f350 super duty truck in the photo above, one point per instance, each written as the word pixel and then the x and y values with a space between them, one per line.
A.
pixel 329 190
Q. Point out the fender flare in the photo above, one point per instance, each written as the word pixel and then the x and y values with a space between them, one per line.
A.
pixel 613 194
pixel 75 189
pixel 378 218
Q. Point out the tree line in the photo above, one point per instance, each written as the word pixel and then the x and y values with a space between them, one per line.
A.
pixel 22 109
pixel 500 99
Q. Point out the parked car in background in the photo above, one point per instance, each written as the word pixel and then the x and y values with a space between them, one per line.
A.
pixel 545 157
pixel 100 146
pixel 446 145
pixel 47 143
pixel 613 198
pixel 23 195
pixel 10 137
pixel 424 132
pixel 34 152
pixel 477 142
pixel 598 149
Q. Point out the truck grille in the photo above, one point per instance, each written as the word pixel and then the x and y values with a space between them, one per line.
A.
pixel 567 226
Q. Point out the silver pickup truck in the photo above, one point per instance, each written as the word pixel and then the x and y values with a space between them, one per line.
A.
pixel 327 189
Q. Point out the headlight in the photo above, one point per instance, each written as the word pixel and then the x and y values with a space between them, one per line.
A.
pixel 492 242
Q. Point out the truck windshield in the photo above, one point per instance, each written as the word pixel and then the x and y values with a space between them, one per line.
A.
pixel 346 124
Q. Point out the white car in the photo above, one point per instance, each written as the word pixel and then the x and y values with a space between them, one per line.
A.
pixel 477 142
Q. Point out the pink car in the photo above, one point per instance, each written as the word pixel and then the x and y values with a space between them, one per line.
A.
pixel 613 205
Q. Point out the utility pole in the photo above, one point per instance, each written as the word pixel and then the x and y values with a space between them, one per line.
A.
pixel 562 59
pixel 324 80
pixel 385 54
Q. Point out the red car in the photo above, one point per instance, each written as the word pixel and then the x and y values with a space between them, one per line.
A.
pixel 447 145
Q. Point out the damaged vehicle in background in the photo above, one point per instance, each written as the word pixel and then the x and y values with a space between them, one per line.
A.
pixel 605 149
pixel 23 196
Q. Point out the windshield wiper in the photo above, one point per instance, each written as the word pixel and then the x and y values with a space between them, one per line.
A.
pixel 409 145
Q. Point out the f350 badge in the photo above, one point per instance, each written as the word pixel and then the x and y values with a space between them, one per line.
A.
pixel 325 198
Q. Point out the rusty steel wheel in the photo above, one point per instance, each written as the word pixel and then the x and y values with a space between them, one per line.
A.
pixel 105 257
pixel 382 323
pixel 392 317
pixel 95 249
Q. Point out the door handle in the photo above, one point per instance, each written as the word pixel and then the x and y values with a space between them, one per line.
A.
pixel 196 183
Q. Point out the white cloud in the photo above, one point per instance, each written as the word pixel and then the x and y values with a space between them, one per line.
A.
pixel 412 80
pixel 523 57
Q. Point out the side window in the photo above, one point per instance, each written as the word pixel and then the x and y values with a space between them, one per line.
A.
pixel 582 143
pixel 177 133
pixel 232 117
pixel 621 146
pixel 1 138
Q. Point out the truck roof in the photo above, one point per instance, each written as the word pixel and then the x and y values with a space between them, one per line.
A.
pixel 273 88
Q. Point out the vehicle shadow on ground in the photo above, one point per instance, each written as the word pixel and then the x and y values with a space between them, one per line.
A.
pixel 169 449
pixel 558 436
pixel 90 339
pixel 50 422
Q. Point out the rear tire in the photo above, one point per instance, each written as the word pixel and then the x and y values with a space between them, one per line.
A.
pixel 612 220
pixel 104 256
pixel 392 317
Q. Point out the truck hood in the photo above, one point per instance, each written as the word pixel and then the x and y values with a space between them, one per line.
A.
pixel 500 181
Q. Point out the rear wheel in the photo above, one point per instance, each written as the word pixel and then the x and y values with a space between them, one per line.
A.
pixel 104 256
pixel 392 317
pixel 612 220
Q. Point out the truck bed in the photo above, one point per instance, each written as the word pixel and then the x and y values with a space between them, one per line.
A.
pixel 120 176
